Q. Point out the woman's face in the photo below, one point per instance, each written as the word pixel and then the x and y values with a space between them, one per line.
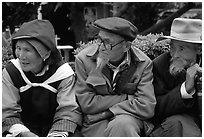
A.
pixel 29 58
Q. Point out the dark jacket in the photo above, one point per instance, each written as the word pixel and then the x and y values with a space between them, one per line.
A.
pixel 167 91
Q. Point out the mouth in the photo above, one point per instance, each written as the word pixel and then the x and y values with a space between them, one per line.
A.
pixel 177 67
pixel 24 63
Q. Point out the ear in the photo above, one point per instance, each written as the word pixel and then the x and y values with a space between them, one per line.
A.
pixel 199 50
pixel 127 46
pixel 47 55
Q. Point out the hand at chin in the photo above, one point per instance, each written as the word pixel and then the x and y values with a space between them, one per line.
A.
pixel 101 63
pixel 177 68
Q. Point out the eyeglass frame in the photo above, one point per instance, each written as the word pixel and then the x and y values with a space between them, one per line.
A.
pixel 111 45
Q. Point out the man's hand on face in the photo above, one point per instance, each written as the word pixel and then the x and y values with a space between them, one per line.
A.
pixel 102 59
pixel 191 76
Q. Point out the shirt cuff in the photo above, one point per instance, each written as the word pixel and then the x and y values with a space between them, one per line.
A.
pixel 58 134
pixel 16 129
pixel 184 93
pixel 64 126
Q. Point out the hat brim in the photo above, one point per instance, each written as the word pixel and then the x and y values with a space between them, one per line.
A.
pixel 22 37
pixel 173 38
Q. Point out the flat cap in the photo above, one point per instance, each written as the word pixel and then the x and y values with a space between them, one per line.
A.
pixel 117 26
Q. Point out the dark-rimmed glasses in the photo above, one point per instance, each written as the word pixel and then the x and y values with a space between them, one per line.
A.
pixel 108 45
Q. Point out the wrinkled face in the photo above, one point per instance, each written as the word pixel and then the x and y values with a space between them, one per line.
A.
pixel 29 58
pixel 112 43
pixel 183 56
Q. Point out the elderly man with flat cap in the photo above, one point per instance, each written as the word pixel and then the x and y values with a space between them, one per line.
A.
pixel 176 79
pixel 114 82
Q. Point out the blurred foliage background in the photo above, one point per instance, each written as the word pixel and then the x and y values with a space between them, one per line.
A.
pixel 152 19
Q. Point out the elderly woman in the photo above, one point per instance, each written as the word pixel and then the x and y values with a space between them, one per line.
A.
pixel 37 86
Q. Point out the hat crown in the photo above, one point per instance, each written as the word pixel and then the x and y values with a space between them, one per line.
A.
pixel 189 30
pixel 117 26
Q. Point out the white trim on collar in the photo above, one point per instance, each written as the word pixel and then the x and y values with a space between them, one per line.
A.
pixel 62 72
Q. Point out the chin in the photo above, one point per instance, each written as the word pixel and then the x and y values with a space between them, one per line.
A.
pixel 178 67
pixel 26 69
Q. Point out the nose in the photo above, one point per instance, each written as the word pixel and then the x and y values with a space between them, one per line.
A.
pixel 175 53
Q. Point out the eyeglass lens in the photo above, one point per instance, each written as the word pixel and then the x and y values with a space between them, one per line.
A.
pixel 106 44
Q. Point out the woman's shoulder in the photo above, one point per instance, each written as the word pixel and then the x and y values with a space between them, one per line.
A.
pixel 14 74
pixel 10 67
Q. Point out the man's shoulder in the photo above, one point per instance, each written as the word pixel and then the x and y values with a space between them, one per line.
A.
pixel 163 58
pixel 140 55
pixel 161 63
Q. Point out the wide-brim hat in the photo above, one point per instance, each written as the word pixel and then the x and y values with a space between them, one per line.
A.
pixel 118 26
pixel 187 30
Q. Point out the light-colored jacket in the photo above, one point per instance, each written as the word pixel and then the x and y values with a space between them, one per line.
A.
pixel 94 92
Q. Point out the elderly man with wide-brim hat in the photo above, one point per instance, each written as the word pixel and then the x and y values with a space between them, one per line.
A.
pixel 175 79
pixel 114 82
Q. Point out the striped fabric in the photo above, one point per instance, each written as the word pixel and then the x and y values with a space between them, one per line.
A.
pixel 117 70
pixel 62 126
pixel 58 134
pixel 9 122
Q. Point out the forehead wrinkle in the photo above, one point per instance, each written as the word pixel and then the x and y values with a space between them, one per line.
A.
pixel 23 42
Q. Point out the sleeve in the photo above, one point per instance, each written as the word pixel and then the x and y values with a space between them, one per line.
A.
pixel 16 129
pixel 67 115
pixel 169 101
pixel 184 93
pixel 143 102
pixel 10 103
pixel 89 101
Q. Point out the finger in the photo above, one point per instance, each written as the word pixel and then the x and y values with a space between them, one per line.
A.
pixel 195 66
pixel 104 54
pixel 101 63
pixel 199 70
pixel 192 70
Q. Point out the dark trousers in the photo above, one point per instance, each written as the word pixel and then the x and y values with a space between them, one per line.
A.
pixel 177 126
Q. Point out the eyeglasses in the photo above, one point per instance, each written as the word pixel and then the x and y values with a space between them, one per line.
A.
pixel 108 45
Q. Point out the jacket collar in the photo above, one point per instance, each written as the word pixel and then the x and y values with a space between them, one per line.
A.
pixel 93 52
pixel 125 62
pixel 136 54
